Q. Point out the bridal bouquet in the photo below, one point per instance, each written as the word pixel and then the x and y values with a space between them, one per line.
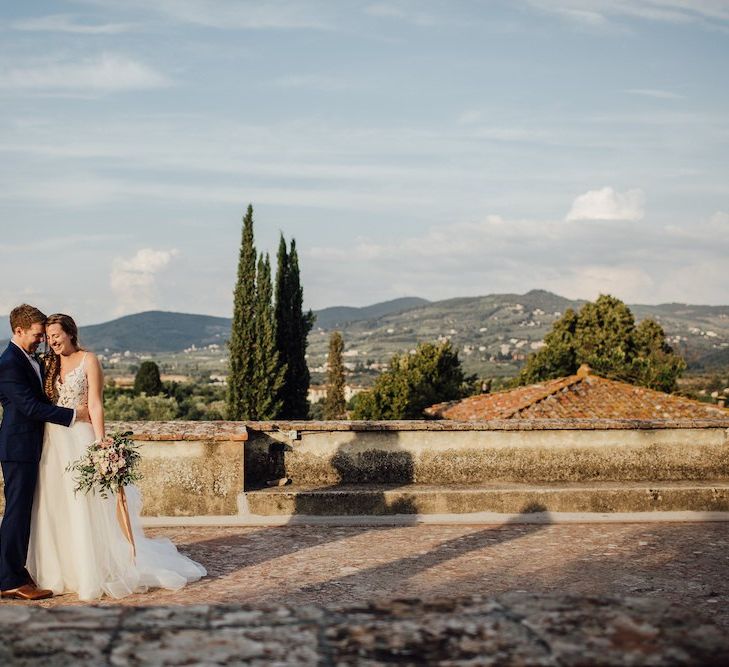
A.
pixel 108 465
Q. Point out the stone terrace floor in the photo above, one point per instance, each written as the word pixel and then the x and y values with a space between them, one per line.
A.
pixel 683 563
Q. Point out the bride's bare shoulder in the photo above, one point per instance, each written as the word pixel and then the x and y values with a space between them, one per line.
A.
pixel 92 359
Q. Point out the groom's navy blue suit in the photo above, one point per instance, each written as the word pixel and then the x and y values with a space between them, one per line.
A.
pixel 25 410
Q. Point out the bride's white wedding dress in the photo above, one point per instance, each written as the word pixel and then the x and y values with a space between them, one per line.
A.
pixel 76 543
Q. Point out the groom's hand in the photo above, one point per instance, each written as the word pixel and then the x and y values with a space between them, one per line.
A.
pixel 82 414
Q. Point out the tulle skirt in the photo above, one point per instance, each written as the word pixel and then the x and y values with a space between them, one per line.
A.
pixel 76 543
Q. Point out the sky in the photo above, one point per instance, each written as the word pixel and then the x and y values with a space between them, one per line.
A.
pixel 432 148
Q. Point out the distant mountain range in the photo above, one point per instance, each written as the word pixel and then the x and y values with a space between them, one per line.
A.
pixel 495 333
pixel 158 331
pixel 491 332
pixel 338 316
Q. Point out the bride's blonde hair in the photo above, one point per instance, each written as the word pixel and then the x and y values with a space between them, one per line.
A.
pixel 51 360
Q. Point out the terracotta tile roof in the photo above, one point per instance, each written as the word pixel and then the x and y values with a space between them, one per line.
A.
pixel 580 396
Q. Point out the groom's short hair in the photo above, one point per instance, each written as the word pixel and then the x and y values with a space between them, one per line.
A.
pixel 25 316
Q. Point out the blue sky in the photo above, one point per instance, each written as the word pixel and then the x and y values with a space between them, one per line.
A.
pixel 430 148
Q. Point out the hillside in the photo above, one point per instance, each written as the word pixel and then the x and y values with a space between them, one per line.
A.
pixel 493 333
pixel 156 331
pixel 161 331
pixel 337 316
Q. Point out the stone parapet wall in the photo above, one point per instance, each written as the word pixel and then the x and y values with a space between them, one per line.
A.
pixel 199 468
pixel 446 452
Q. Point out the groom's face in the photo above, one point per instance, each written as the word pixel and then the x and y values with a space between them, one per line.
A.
pixel 30 339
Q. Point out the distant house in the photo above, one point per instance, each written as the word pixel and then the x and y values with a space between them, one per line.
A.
pixel 318 392
pixel 581 396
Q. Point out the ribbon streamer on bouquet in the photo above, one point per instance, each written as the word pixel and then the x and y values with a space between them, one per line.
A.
pixel 122 516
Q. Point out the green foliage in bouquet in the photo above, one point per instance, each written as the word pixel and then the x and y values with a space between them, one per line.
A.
pixel 107 465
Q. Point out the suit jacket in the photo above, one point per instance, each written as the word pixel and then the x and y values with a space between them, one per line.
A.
pixel 25 409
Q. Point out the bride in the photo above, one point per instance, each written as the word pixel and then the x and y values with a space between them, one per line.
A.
pixel 76 543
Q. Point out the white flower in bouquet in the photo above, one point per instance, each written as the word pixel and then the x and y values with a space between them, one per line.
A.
pixel 108 465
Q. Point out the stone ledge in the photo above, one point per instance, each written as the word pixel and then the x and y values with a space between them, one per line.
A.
pixel 152 431
pixel 238 430
pixel 514 629
pixel 492 425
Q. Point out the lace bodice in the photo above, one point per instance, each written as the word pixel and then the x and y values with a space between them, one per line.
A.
pixel 74 392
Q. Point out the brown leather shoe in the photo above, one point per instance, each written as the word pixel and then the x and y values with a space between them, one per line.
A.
pixel 27 592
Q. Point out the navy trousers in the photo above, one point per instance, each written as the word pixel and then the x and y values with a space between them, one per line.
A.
pixel 20 480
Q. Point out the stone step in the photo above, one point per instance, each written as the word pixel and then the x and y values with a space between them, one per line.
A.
pixel 349 500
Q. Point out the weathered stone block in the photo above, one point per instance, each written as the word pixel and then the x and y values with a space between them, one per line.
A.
pixel 191 478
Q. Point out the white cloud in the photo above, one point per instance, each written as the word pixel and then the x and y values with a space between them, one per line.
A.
pixel 69 23
pixel 713 231
pixel 400 11
pixel 133 280
pixel 313 82
pixel 720 220
pixel 384 10
pixel 655 93
pixel 700 282
pixel 235 14
pixel 601 12
pixel 590 280
pixel 107 73
pixel 469 117
pixel 607 204
pixel 11 297
pixel 502 255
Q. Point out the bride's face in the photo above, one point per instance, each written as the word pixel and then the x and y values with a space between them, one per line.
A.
pixel 59 340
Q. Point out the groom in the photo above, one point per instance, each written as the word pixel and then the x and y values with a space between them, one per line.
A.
pixel 25 409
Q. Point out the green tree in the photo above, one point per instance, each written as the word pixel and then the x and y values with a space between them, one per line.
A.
pixel 335 406
pixel 140 408
pixel 412 382
pixel 655 364
pixel 147 380
pixel 604 336
pixel 558 357
pixel 269 373
pixel 292 330
pixel 241 399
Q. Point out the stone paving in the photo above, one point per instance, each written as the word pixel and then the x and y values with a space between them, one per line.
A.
pixel 682 564
pixel 513 630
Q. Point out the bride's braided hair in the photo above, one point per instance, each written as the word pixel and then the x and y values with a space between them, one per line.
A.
pixel 51 360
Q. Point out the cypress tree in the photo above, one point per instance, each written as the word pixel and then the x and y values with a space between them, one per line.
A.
pixel 268 373
pixel 335 406
pixel 243 333
pixel 147 380
pixel 292 329
pixel 282 308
